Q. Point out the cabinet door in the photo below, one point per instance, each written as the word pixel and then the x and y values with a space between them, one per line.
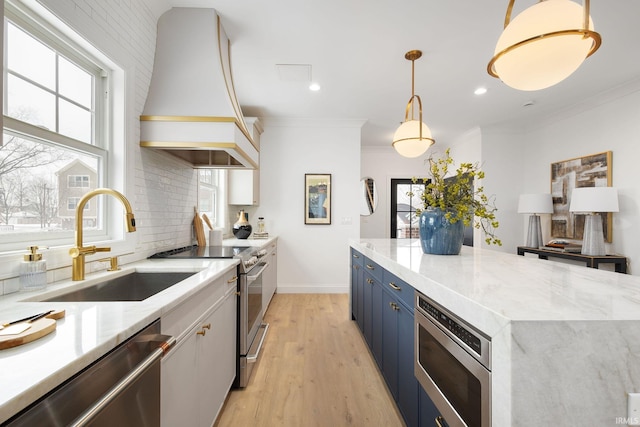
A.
pixel 408 384
pixel 244 187
pixel 376 320
pixel 354 291
pixel 270 277
pixel 428 411
pixel 390 343
pixel 178 393
pixel 216 360
pixel 367 301
pixel 360 296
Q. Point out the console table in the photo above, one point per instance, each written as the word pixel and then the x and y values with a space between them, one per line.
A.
pixel 592 261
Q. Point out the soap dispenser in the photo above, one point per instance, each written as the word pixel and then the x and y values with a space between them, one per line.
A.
pixel 33 271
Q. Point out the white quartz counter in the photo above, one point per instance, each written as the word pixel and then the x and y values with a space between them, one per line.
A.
pixel 91 329
pixel 565 338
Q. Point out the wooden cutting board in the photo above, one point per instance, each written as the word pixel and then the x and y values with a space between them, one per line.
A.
pixel 38 329
pixel 199 227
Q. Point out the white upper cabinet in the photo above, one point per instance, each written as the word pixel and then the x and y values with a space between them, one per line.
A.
pixel 244 184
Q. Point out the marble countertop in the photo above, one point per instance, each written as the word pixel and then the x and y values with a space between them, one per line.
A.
pixel 508 287
pixel 91 329
pixel 565 338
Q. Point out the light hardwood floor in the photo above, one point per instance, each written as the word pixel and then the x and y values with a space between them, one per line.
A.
pixel 314 370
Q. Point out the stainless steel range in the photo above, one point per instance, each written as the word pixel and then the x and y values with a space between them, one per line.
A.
pixel 251 329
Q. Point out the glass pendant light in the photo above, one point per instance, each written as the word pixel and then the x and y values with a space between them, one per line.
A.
pixel 413 137
pixel 544 44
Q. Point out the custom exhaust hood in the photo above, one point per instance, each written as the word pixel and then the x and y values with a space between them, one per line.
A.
pixel 191 110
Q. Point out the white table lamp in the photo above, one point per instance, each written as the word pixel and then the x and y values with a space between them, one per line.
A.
pixel 591 201
pixel 535 204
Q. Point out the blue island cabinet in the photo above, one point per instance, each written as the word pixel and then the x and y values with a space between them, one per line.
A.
pixel 382 306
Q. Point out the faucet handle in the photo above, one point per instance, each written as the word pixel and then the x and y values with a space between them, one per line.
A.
pixel 86 250
pixel 113 263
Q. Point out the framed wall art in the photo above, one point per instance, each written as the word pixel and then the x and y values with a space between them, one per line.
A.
pixel 317 198
pixel 588 171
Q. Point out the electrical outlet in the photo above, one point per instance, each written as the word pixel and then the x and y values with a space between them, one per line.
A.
pixel 633 409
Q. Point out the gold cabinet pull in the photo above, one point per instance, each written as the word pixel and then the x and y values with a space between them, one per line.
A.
pixel 237 293
pixel 202 332
pixel 369 281
pixel 356 256
pixel 394 286
pixel 233 279
pixel 394 306
pixel 438 421
pixel 207 326
pixel 370 267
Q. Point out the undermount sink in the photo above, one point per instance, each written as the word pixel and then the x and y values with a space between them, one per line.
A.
pixel 135 286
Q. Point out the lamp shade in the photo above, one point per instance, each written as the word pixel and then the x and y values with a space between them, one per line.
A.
pixel 543 45
pixel 535 203
pixel 407 140
pixel 594 199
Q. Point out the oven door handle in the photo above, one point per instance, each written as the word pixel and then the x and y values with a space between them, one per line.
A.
pixel 253 277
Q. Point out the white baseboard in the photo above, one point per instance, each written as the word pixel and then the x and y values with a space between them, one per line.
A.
pixel 312 289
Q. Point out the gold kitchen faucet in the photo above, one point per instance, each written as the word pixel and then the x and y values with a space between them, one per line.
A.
pixel 79 252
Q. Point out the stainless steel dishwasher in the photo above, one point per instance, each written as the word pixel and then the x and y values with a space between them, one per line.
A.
pixel 120 389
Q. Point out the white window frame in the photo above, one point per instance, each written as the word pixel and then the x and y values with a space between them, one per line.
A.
pixel 217 191
pixel 109 140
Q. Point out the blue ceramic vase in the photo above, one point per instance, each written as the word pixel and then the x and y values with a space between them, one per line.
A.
pixel 437 235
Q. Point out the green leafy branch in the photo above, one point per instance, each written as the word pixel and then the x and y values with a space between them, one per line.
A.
pixel 458 198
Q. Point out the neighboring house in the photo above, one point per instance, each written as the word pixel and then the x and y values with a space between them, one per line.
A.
pixel 74 181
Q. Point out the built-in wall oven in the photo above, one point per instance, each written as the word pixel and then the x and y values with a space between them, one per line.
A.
pixel 251 329
pixel 453 365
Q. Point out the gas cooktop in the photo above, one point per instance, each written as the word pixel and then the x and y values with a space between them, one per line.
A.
pixel 202 252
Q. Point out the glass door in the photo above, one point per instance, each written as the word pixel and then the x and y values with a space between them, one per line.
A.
pixel 405 198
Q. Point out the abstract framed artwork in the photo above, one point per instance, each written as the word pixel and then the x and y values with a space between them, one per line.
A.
pixel 317 198
pixel 588 171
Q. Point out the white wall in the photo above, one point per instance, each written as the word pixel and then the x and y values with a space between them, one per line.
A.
pixel 383 164
pixel 611 124
pixel 502 158
pixel 311 258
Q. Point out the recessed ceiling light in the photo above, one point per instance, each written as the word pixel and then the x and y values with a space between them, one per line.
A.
pixel 480 91
pixel 314 87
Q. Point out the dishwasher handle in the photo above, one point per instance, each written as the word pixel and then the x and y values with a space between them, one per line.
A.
pixel 162 348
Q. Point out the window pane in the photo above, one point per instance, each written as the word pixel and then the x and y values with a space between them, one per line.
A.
pixel 405 211
pixel 75 83
pixel 78 181
pixel 75 122
pixel 34 195
pixel 30 58
pixel 31 104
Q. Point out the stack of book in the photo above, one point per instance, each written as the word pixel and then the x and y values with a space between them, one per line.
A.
pixel 563 247
pixel 260 235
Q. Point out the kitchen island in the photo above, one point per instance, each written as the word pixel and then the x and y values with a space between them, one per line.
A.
pixel 565 338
